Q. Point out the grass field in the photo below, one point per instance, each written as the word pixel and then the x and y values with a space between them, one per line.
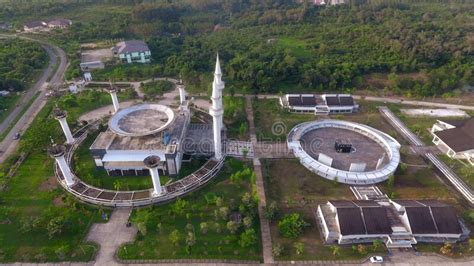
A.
pixel 33 205
pixel 85 168
pixel 216 243
pixel 270 117
pixel 297 47
pixel 295 189
pixel 273 122
pixel 29 204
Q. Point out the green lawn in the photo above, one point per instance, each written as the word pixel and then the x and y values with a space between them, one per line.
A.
pixel 217 243
pixel 272 122
pixel 235 118
pixel 33 205
pixel 290 183
pixel 298 48
pixel 29 204
pixel 296 189
pixel 157 88
pixel 85 168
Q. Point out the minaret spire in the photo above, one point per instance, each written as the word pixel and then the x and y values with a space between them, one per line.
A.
pixel 216 110
pixel 218 66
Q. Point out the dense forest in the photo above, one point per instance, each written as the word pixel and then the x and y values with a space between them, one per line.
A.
pixel 407 47
pixel 18 61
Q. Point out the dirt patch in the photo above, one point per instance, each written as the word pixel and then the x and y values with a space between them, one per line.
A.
pixel 49 184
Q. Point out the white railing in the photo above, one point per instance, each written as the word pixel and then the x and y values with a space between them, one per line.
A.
pixel 183 190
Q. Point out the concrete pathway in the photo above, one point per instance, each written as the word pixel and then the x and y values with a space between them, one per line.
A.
pixel 264 224
pixel 104 111
pixel 419 147
pixel 110 236
pixel 385 99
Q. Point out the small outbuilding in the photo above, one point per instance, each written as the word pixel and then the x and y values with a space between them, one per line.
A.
pixel 455 138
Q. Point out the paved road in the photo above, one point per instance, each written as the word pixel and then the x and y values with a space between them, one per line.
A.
pixel 8 145
pixel 111 235
pixel 387 100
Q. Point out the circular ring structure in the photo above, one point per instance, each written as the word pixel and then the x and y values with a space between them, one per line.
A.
pixel 141 120
pixel 388 143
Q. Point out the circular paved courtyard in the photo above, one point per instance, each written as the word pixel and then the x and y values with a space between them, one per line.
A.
pixel 364 149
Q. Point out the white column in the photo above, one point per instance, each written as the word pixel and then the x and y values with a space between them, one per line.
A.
pixel 155 177
pixel 65 170
pixel 217 137
pixel 66 130
pixel 182 93
pixel 115 100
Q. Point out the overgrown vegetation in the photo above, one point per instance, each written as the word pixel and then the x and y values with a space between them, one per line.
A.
pixel 19 59
pixel 219 221
pixel 414 48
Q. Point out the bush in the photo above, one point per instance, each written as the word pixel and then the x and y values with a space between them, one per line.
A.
pixel 271 211
pixel 277 250
pixel 248 238
pixel 291 225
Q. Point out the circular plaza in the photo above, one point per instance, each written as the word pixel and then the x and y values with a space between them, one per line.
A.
pixel 141 120
pixel 344 151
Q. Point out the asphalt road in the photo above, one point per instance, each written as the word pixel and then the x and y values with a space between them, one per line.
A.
pixel 8 145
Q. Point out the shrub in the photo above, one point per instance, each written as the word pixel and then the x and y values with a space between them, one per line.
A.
pixel 248 238
pixel 299 248
pixel 232 226
pixel 277 250
pixel 271 211
pixel 291 225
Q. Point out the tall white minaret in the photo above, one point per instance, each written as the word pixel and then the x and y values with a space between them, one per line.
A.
pixel 216 110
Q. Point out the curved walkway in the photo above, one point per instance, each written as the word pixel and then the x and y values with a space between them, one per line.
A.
pixel 112 198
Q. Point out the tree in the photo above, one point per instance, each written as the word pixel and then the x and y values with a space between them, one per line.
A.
pixel 376 244
pixel 248 238
pixel 141 220
pixel 190 239
pixel 224 213
pixel 56 226
pixel 299 248
pixel 175 237
pixel 248 222
pixel 446 249
pixel 232 226
pixel 361 249
pixel 271 211
pixel 277 249
pixel 204 227
pixel 117 185
pixel 179 206
pixel 335 250
pixel 219 201
pixel 291 225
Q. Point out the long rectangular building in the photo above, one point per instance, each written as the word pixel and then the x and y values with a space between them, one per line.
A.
pixel 319 104
pixel 398 223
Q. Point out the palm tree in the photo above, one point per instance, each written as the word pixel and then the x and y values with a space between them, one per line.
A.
pixel 117 185
pixel 336 250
